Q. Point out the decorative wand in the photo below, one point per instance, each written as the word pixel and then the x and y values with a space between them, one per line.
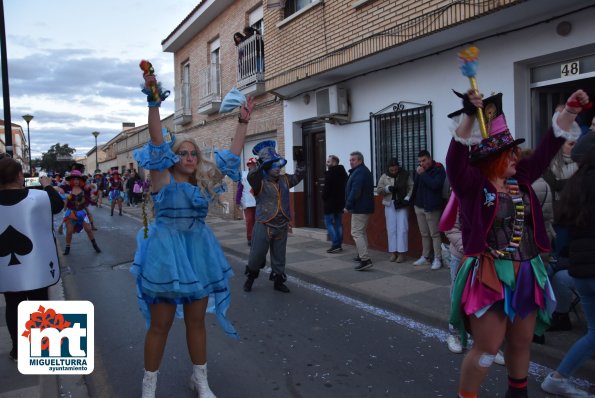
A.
pixel 468 59
pixel 148 69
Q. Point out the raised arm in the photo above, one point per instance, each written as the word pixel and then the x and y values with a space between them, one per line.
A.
pixel 159 178
pixel 574 105
pixel 154 116
pixel 244 117
pixel 465 127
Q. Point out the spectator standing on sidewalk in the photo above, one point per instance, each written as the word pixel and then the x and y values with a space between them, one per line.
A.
pixel 577 212
pixel 26 241
pixel 359 201
pixel 333 197
pixel 271 190
pixel 455 238
pixel 502 289
pixel 101 185
pixel 129 185
pixel 137 190
pixel 246 200
pixel 395 186
pixel 561 168
pixel 427 202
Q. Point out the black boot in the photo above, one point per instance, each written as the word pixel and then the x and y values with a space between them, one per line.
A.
pixel 279 280
pixel 120 211
pixel 66 251
pixel 539 339
pixel 97 249
pixel 250 279
pixel 516 393
pixel 112 213
pixel 560 322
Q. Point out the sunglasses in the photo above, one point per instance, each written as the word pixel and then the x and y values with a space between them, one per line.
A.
pixel 185 153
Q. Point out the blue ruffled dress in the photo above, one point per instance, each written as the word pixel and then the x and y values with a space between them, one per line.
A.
pixel 181 260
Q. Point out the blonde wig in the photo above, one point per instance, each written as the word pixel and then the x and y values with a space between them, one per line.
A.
pixel 207 176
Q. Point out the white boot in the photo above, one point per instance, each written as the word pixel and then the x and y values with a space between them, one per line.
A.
pixel 149 384
pixel 199 383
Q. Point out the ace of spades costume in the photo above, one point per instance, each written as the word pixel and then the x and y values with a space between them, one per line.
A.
pixel 28 256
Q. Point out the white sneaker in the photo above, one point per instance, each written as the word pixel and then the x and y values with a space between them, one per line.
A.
pixel 499 359
pixel 454 343
pixel 436 264
pixel 421 261
pixel 561 387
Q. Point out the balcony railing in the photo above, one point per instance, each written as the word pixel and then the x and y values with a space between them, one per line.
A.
pixel 251 62
pixel 209 89
pixel 183 113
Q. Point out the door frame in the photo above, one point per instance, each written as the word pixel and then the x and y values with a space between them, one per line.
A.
pixel 309 130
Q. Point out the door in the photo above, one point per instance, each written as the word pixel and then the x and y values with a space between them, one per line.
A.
pixel 314 139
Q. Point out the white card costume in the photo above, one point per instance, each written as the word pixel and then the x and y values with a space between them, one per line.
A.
pixel 28 254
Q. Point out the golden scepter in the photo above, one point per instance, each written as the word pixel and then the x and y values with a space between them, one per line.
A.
pixel 469 60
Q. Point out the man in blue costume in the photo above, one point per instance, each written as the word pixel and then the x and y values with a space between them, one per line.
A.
pixel 271 191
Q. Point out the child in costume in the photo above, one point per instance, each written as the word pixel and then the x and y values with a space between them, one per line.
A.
pixel 180 267
pixel 76 217
pixel 502 289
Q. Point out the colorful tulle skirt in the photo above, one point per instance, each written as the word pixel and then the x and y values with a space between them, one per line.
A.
pixel 521 286
pixel 115 195
pixel 77 218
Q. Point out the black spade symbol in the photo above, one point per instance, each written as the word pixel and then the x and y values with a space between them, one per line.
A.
pixel 13 242
pixel 52 271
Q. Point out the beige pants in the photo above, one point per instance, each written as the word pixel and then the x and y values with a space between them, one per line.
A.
pixel 359 223
pixel 430 234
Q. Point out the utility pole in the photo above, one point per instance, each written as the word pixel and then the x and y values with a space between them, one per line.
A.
pixel 5 90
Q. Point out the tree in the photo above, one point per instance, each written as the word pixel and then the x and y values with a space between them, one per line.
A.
pixel 58 158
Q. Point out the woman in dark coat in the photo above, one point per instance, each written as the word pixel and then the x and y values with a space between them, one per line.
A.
pixel 577 210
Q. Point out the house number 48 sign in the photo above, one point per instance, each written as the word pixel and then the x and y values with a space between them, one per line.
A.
pixel 569 69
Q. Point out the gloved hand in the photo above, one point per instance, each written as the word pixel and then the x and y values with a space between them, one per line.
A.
pixel 468 107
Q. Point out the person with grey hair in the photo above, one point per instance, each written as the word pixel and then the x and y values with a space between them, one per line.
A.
pixel 359 201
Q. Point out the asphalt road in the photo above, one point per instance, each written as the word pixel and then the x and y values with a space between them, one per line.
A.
pixel 309 343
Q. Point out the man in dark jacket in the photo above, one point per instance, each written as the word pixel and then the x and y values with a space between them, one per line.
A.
pixel 359 201
pixel 333 196
pixel 427 200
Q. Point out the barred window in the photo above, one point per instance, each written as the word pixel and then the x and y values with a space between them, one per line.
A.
pixel 400 134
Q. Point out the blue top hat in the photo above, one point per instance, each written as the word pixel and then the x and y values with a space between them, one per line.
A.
pixel 267 155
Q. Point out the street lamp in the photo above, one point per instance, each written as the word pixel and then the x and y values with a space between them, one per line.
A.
pixel 95 134
pixel 28 118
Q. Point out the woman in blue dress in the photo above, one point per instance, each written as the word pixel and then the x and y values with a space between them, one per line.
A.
pixel 180 267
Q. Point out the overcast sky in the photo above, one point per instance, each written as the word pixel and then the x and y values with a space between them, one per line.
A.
pixel 73 65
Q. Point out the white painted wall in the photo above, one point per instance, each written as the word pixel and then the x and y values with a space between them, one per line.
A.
pixel 504 67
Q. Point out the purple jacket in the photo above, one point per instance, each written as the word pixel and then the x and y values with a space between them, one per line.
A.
pixel 472 189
